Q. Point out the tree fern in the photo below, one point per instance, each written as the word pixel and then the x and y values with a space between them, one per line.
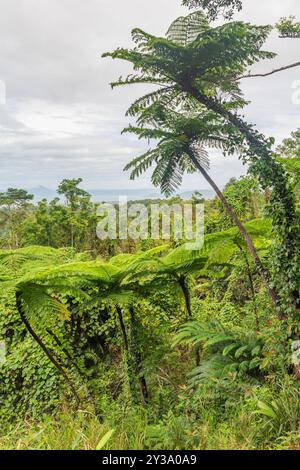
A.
pixel 226 352
pixel 207 71
pixel 210 55
pixel 178 135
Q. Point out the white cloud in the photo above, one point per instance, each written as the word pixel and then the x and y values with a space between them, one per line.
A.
pixel 61 118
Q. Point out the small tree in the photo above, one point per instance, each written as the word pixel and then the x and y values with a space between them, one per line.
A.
pixel 214 8
pixel 72 193
pixel 288 27
pixel 13 206
pixel 290 147
pixel 76 199
pixel 244 196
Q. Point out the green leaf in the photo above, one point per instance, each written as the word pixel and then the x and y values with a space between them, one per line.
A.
pixel 239 352
pixel 265 410
pixel 104 440
pixel 255 351
pixel 229 348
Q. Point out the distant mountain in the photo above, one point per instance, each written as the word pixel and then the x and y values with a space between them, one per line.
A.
pixel 41 192
pixel 112 195
pixel 206 193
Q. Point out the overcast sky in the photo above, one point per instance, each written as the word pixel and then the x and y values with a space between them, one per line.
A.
pixel 61 119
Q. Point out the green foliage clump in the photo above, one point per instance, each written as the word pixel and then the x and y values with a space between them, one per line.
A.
pixel 288 27
pixel 214 8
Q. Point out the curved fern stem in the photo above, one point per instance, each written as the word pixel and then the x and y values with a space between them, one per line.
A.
pixel 123 328
pixel 44 347
pixel 251 283
pixel 136 358
pixel 187 300
pixel 65 351
pixel 186 294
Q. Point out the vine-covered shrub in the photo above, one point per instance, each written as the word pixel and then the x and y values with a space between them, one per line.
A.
pixel 29 383
pixel 86 341
pixel 111 327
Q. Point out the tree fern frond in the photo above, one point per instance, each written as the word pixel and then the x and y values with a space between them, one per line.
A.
pixel 168 174
pixel 145 133
pixel 136 79
pixel 90 271
pixel 141 164
pixel 141 38
pixel 166 94
pixel 120 298
pixel 39 305
pixel 200 154
pixel 195 333
pixel 185 29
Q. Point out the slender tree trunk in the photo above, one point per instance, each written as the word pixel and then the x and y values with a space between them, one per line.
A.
pixel 276 173
pixel 137 359
pixel 72 236
pixel 123 328
pixel 144 389
pixel 73 362
pixel 137 356
pixel 187 300
pixel 251 283
pixel 64 350
pixel 186 295
pixel 44 348
pixel 264 274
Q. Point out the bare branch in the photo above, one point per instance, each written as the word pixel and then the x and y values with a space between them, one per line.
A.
pixel 296 64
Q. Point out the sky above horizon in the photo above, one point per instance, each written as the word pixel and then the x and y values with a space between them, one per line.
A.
pixel 62 120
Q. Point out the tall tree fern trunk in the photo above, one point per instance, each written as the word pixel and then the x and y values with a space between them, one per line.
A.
pixel 282 202
pixel 262 271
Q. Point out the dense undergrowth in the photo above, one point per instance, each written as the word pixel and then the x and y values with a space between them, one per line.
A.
pixel 243 395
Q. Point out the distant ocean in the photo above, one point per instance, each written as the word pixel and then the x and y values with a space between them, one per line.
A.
pixel 112 195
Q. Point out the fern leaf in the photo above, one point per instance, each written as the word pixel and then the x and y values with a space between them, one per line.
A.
pixel 185 29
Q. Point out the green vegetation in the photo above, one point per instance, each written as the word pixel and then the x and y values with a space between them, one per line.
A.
pixel 149 344
pixel 289 27
pixel 168 347
pixel 214 8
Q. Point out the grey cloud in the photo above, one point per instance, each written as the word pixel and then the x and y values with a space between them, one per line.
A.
pixel 62 119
